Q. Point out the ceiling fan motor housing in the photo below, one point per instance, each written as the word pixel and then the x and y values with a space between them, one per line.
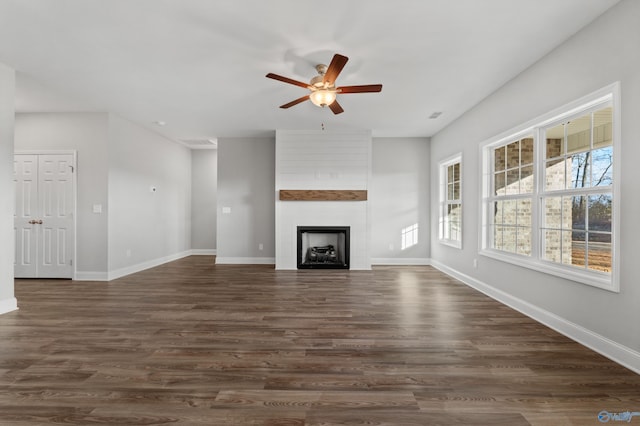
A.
pixel 322 69
pixel 317 81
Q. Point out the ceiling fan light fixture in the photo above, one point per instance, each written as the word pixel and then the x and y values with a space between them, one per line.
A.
pixel 322 97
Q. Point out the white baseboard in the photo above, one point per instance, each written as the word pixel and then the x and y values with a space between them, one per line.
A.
pixel 245 260
pixel 203 252
pixel 409 261
pixel 8 305
pixel 621 354
pixel 91 276
pixel 119 273
pixel 104 276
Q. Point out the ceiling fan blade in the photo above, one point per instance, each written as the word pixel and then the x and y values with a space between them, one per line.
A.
pixel 296 102
pixel 287 80
pixel 367 88
pixel 335 107
pixel 337 63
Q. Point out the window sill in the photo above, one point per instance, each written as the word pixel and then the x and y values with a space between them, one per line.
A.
pixel 591 278
pixel 451 243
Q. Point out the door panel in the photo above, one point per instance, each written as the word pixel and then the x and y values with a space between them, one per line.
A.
pixel 26 250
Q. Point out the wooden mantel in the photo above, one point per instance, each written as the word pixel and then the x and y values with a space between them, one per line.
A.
pixel 323 195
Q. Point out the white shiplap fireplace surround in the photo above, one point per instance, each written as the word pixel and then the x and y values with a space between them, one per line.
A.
pixel 322 160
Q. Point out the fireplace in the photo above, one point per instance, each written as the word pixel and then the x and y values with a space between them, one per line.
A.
pixel 332 171
pixel 323 247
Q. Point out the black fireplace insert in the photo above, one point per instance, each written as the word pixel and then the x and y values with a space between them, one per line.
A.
pixel 323 247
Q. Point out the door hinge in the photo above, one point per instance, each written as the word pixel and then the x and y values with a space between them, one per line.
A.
pixel 70 262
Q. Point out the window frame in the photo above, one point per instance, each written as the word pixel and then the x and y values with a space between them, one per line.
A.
pixel 444 201
pixel 609 95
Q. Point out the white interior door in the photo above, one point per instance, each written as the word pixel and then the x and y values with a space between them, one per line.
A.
pixel 44 217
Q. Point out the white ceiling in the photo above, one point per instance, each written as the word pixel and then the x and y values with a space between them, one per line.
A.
pixel 200 65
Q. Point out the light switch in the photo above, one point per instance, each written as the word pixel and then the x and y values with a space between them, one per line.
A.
pixel 97 208
pixel 226 210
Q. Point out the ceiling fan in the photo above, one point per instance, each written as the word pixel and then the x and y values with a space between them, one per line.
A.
pixel 323 86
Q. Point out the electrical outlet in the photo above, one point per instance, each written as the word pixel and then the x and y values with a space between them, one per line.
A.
pixel 260 246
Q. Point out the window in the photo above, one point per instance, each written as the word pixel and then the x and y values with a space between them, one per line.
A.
pixel 549 192
pixel 450 231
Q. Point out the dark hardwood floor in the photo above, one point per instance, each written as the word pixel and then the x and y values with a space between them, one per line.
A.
pixel 194 343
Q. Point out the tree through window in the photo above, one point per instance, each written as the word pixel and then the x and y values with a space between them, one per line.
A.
pixel 577 197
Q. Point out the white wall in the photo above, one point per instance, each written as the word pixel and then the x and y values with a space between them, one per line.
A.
pixel 146 227
pixel 604 52
pixel 7 199
pixel 246 185
pixel 204 182
pixel 400 198
pixel 87 134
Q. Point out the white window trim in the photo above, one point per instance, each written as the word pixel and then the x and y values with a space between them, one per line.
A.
pixel 610 282
pixel 442 177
